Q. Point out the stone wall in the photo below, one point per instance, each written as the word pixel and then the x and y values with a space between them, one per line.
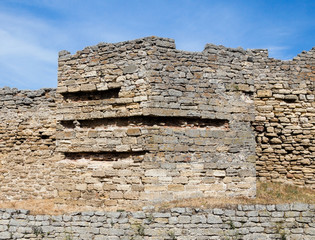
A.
pixel 285 119
pixel 140 121
pixel 30 167
pixel 27 136
pixel 255 222
pixel 27 122
pixel 155 123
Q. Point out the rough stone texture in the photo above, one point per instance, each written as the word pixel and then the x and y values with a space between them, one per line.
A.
pixel 285 119
pixel 27 140
pixel 140 121
pixel 170 122
pixel 246 222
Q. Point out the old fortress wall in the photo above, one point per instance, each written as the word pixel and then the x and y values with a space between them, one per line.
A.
pixel 140 121
pixel 245 222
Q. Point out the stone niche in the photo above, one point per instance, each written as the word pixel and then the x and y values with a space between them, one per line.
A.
pixel 153 123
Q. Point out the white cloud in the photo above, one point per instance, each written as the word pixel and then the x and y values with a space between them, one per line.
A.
pixel 14 45
pixel 32 32
pixel 26 54
pixel 278 52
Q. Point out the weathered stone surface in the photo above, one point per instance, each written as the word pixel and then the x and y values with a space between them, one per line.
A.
pixel 5 235
pixel 141 121
pixel 156 113
pixel 283 118
pixel 182 224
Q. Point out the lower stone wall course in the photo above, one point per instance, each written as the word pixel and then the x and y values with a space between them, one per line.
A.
pixel 282 221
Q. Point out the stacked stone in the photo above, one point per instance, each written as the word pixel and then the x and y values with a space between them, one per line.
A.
pixel 25 120
pixel 140 121
pixel 27 133
pixel 154 123
pixel 285 120
pixel 282 221
pixel 106 69
pixel 216 83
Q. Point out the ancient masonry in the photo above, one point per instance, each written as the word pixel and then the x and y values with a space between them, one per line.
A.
pixel 244 222
pixel 140 121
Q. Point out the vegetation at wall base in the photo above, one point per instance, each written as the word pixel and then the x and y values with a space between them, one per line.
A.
pixel 267 193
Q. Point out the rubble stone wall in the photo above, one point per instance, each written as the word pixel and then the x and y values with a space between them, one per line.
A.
pixel 285 120
pixel 155 123
pixel 27 134
pixel 248 222
pixel 141 121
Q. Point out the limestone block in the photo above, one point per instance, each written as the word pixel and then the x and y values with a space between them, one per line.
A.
pixel 156 173
pixel 219 173
pixel 81 187
pixel 5 235
pixel 74 88
pixel 264 93
pixel 130 69
pixel 116 195
pixel 175 187
pixel 133 131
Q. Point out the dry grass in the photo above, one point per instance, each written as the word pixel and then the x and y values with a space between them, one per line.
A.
pixel 45 206
pixel 284 193
pixel 267 193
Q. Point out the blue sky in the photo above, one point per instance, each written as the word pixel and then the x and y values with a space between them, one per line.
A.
pixel 32 32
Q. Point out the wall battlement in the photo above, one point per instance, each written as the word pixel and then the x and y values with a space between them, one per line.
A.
pixel 140 121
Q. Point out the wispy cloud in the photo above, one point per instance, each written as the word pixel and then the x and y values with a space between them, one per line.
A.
pixel 32 32
pixel 25 50
pixel 11 45
pixel 279 52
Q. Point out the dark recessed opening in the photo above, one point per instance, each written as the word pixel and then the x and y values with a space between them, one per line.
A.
pixel 91 95
pixel 67 124
pixel 103 156
pixel 150 121
pixel 44 136
pixel 289 100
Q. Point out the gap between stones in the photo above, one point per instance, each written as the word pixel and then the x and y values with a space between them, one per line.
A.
pixel 104 156
pixel 91 95
pixel 149 121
